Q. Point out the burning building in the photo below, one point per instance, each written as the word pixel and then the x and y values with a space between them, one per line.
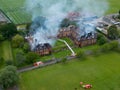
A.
pixel 67 31
pixel 73 33
pixel 73 16
pixel 85 40
pixel 43 49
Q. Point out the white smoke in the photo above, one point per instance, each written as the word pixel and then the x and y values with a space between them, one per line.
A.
pixel 56 10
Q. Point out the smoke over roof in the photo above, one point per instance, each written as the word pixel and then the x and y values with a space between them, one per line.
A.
pixel 55 11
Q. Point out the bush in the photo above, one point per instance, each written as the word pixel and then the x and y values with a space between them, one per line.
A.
pixel 81 55
pixel 9 62
pixel 26 47
pixel 64 60
pixel 112 46
pixel 113 32
pixel 20 59
pixel 8 77
pixel 31 57
pixel 105 48
pixel 101 39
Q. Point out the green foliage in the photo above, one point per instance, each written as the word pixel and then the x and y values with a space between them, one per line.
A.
pixel 1 60
pixel 20 59
pixel 96 51
pixel 22 32
pixel 9 62
pixel 15 11
pixel 17 41
pixel 101 39
pixel 8 77
pixel 31 57
pixel 26 47
pixel 81 55
pixel 103 72
pixel 28 26
pixel 112 46
pixel 113 32
pixel 64 60
pixel 1 37
pixel 66 22
pixel 8 30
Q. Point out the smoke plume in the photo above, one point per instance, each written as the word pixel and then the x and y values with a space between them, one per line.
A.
pixel 48 14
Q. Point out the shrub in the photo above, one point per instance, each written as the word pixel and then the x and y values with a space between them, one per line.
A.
pixel 31 57
pixel 20 59
pixel 114 45
pixel 81 55
pixel 101 39
pixel 26 47
pixel 9 62
pixel 64 60
pixel 110 46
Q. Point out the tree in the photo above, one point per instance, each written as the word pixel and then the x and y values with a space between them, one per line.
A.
pixel 31 57
pixel 101 39
pixel 8 30
pixel 26 47
pixel 17 41
pixel 9 77
pixel 113 32
pixel 20 59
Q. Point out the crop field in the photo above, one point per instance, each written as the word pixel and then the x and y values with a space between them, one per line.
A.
pixel 15 10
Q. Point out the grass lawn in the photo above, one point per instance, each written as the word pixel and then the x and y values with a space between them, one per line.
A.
pixel 102 72
pixel 6 50
pixel 114 6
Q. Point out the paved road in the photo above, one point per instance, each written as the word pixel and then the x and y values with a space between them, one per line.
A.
pixel 50 62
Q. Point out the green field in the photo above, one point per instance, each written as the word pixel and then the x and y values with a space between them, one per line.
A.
pixel 6 50
pixel 102 72
pixel 15 10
